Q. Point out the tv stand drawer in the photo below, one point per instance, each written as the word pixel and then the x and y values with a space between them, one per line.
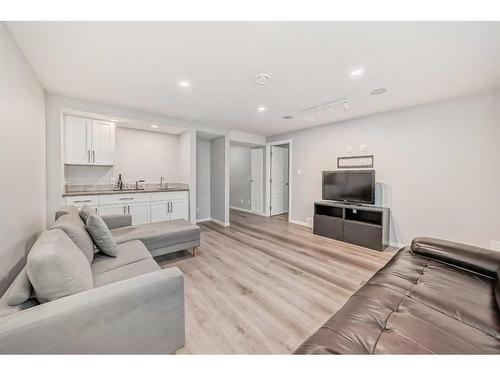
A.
pixel 329 226
pixel 366 235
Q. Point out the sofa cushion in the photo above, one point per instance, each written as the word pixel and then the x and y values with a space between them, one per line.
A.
pixel 6 309
pixel 56 267
pixel 20 290
pixel 128 252
pixel 101 235
pixel 125 272
pixel 85 212
pixel 74 227
pixel 160 234
pixel 414 305
pixel 65 210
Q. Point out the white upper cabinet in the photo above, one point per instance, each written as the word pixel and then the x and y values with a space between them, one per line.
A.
pixel 88 141
pixel 103 142
pixel 77 146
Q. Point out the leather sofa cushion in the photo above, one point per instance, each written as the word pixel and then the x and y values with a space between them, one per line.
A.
pixel 74 227
pixel 128 252
pixel 56 267
pixel 472 258
pixel 125 272
pixel 414 305
pixel 160 234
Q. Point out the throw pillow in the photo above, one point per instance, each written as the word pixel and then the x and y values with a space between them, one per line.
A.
pixel 101 235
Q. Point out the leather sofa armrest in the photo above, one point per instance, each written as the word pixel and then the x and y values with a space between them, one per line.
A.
pixel 473 258
pixel 117 220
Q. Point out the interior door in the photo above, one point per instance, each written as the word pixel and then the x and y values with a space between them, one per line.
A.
pixel 257 179
pixel 279 180
pixel 78 139
pixel 140 212
pixel 179 209
pixel 103 142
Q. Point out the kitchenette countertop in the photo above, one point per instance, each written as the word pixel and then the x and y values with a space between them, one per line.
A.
pixel 176 187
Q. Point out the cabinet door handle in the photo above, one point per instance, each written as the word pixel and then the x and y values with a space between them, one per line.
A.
pixel 171 207
pixel 93 156
pixel 128 208
pixel 88 156
pixel 83 201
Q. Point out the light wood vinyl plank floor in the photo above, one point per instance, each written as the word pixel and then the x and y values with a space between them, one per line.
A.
pixel 262 285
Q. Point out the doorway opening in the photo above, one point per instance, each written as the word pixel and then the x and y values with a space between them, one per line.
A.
pixel 247 177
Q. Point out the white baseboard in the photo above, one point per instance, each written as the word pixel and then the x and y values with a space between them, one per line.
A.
pixel 397 244
pixel 203 220
pixel 303 223
pixel 247 211
pixel 218 222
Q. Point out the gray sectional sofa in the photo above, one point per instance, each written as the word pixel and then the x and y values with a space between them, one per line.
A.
pixel 71 298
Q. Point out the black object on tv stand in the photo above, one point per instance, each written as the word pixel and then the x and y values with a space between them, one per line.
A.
pixel 366 226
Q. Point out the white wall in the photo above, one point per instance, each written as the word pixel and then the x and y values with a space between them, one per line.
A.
pixel 56 104
pixel 203 179
pixel 22 158
pixel 139 154
pixel 438 165
pixel 240 192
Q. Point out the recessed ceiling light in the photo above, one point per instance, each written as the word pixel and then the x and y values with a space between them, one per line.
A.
pixel 184 84
pixel 155 126
pixel 356 72
pixel 287 117
pixel 262 78
pixel 378 91
pixel 261 108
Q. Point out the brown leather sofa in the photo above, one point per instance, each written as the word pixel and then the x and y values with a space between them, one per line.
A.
pixel 432 297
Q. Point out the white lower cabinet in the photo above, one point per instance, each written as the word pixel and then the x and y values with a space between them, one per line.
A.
pixel 140 212
pixel 144 207
pixel 169 206
pixel 112 209
pixel 179 209
pixel 160 211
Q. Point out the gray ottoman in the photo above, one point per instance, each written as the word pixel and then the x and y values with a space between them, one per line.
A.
pixel 162 237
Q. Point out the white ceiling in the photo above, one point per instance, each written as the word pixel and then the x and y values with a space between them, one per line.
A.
pixel 158 128
pixel 139 64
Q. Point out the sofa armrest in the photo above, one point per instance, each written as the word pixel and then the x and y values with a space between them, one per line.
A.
pixel 473 258
pixel 117 221
pixel 144 314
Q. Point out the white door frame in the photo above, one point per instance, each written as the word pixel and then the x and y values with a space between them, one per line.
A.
pixel 261 209
pixel 290 175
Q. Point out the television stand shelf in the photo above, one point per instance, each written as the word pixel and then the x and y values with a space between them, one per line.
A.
pixel 366 226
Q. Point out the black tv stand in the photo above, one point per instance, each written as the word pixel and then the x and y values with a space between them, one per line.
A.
pixel 366 226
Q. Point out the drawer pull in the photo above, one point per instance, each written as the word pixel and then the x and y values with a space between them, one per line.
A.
pixel 126 199
pixel 83 201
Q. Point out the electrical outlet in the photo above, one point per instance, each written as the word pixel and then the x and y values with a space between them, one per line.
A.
pixel 241 201
pixel 363 147
pixel 299 172
pixel 495 245
pixel 309 221
pixel 349 149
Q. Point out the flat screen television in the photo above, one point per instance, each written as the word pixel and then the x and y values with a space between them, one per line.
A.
pixel 349 186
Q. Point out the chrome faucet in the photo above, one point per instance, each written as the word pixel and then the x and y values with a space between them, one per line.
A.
pixel 162 180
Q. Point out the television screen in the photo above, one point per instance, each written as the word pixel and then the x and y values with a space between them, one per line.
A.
pixel 349 186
